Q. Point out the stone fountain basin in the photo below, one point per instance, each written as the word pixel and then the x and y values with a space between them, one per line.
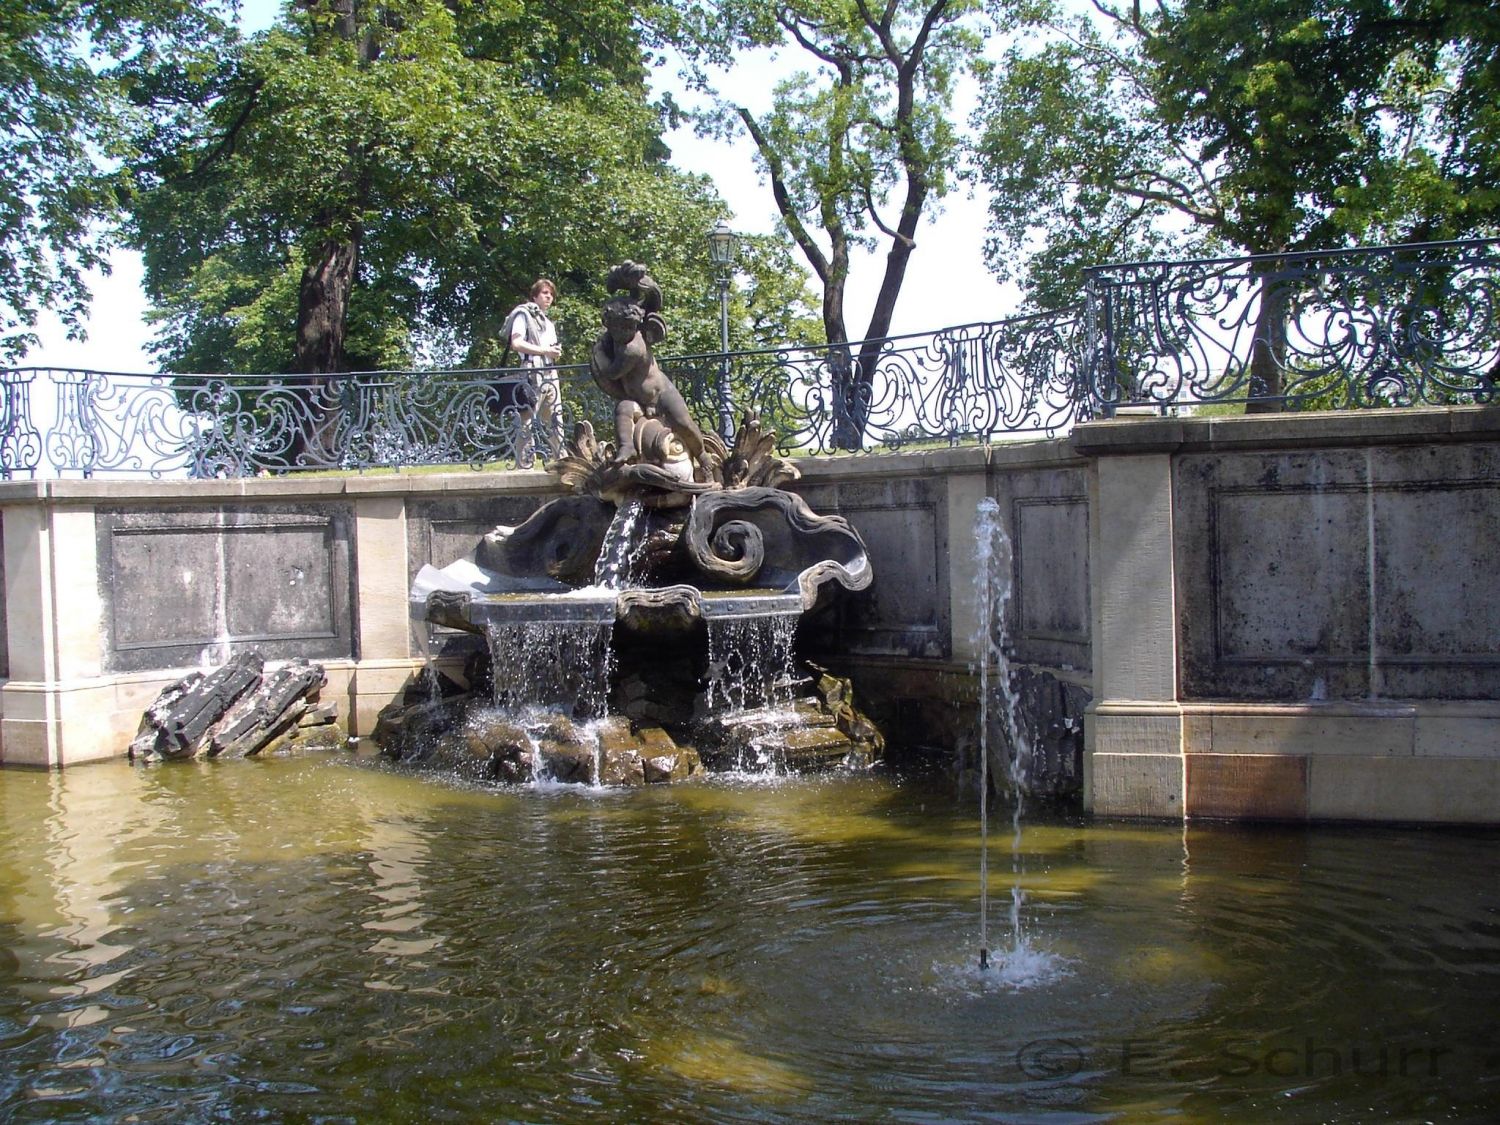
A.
pixel 460 599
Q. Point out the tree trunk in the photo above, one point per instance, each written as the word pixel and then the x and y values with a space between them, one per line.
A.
pixel 1268 347
pixel 843 374
pixel 322 322
pixel 323 307
pixel 328 279
pixel 863 382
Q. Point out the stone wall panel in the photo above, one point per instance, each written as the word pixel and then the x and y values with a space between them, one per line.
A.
pixel 1339 573
pixel 184 585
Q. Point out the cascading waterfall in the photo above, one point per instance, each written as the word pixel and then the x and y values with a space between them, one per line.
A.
pixel 552 663
pixel 624 544
pixel 994 559
pixel 751 661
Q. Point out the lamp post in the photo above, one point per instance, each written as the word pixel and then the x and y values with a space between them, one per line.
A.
pixel 722 245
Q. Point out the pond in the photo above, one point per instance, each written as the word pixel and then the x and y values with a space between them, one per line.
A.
pixel 333 939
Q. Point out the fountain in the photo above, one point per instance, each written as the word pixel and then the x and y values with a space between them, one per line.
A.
pixel 994 559
pixel 653 611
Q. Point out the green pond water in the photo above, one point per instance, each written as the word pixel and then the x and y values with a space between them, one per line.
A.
pixel 330 939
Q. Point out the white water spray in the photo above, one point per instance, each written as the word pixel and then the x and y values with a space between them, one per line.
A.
pixel 994 559
pixel 624 544
pixel 751 661
pixel 565 664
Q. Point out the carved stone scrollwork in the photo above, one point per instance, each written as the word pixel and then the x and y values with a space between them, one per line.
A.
pixel 708 531
pixel 773 538
pixel 560 540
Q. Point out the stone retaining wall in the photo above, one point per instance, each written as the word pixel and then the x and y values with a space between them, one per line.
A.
pixel 1296 618
pixel 1290 617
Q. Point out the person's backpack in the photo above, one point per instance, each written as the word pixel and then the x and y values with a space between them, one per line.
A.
pixel 515 392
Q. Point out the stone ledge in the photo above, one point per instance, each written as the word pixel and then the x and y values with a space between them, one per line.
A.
pixel 1352 728
pixel 146 492
pixel 1401 426
pixel 899 463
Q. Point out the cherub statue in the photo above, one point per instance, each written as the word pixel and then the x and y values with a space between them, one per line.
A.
pixel 624 366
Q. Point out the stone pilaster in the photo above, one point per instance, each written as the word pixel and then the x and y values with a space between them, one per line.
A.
pixel 57 709
pixel 384 660
pixel 1133 728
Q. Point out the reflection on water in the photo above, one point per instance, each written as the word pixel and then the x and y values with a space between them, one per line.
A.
pixel 332 940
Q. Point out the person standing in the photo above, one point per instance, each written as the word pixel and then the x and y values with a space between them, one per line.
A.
pixel 533 337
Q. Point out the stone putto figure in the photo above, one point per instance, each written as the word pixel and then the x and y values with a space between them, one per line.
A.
pixel 624 366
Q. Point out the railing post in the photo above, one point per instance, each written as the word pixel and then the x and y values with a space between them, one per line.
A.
pixel 20 442
pixel 1099 342
pixel 726 413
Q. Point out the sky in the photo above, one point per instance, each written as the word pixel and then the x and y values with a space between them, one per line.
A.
pixel 946 280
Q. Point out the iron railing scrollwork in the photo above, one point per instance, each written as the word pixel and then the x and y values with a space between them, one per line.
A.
pixel 1387 326
pixel 1383 326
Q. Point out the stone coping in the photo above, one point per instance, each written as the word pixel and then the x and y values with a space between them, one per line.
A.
pixel 954 461
pixel 1401 426
pixel 291 487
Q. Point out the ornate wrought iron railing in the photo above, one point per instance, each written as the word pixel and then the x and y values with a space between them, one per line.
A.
pixel 973 382
pixel 1384 326
pixel 1396 325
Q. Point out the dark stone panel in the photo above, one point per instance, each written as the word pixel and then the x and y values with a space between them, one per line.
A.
pixel 179 582
pixel 444 529
pixel 1291 568
pixel 1047 519
pixel 1342 574
pixel 905 612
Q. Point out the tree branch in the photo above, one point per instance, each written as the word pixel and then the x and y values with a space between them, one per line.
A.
pixel 800 235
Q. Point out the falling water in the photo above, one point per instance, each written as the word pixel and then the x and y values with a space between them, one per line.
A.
pixel 566 664
pixel 624 544
pixel 751 661
pixel 993 559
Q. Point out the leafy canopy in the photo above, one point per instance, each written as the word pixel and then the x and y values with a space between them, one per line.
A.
pixel 65 67
pixel 465 150
pixel 859 145
pixel 1195 127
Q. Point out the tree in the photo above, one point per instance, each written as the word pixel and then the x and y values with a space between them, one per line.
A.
pixel 1255 126
pixel 1465 35
pixel 63 70
pixel 367 186
pixel 859 147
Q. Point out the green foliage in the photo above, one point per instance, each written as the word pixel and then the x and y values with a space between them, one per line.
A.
pixel 463 150
pixel 64 70
pixel 857 146
pixel 1257 126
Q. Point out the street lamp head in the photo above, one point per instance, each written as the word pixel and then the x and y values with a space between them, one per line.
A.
pixel 722 244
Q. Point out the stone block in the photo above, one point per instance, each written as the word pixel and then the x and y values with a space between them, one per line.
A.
pixel 1458 730
pixel 383 615
pixel 622 768
pixel 1133 581
pixel 1247 787
pixel 1136 785
pixel 1417 789
pixel 675 766
pixel 1313 729
pixel 1141 732
pixel 28 593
